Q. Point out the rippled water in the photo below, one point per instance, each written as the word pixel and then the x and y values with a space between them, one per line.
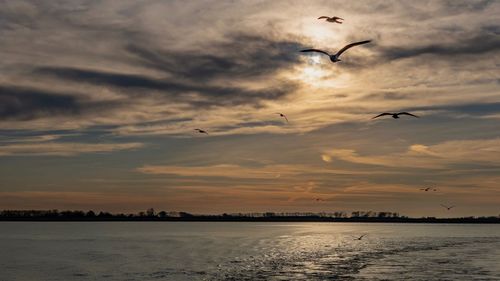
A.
pixel 247 251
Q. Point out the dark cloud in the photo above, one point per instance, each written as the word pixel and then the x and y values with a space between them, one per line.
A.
pixel 243 56
pixel 382 95
pixel 466 6
pixel 18 103
pixel 24 103
pixel 217 95
pixel 479 109
pixel 479 44
pixel 240 56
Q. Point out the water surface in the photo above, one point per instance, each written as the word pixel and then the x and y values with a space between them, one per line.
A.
pixel 247 251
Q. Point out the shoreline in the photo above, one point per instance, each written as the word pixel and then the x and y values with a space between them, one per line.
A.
pixel 493 220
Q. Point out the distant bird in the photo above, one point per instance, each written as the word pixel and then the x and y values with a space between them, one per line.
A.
pixel 282 115
pixel 335 58
pixel 360 237
pixel 319 199
pixel 395 115
pixel 428 188
pixel 332 19
pixel 201 131
pixel 448 208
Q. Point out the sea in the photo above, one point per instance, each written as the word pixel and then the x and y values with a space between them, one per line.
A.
pixel 66 251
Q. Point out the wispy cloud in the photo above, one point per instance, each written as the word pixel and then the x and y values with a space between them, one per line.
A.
pixel 437 156
pixel 63 148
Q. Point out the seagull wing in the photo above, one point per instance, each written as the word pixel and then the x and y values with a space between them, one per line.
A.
pixel 451 207
pixel 315 50
pixel 382 114
pixel 406 113
pixel 338 18
pixel 362 236
pixel 323 17
pixel 285 118
pixel 351 45
pixel 444 206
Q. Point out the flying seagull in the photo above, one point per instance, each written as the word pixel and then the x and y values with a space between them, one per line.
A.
pixel 201 131
pixel 332 19
pixel 428 188
pixel 335 57
pixel 282 115
pixel 360 237
pixel 319 199
pixel 395 115
pixel 448 208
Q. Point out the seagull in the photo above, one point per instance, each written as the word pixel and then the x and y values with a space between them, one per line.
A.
pixel 428 188
pixel 201 131
pixel 319 199
pixel 335 58
pixel 360 237
pixel 395 115
pixel 448 208
pixel 282 115
pixel 332 19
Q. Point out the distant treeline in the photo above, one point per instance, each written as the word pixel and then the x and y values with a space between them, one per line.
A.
pixel 151 215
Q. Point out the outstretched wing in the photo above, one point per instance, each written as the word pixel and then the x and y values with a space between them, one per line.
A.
pixel 285 118
pixel 382 114
pixel 451 207
pixel 352 45
pixel 337 18
pixel 362 236
pixel 323 17
pixel 315 50
pixel 444 206
pixel 406 113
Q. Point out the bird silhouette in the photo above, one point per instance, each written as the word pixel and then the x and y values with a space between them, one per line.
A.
pixel 428 188
pixel 282 115
pixel 335 58
pixel 201 131
pixel 332 19
pixel 319 199
pixel 360 237
pixel 395 115
pixel 448 208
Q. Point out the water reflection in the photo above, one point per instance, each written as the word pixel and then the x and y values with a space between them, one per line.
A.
pixel 248 251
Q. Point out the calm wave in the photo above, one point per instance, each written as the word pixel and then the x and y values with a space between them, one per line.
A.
pixel 247 251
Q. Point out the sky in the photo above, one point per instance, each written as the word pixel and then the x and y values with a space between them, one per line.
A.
pixel 99 101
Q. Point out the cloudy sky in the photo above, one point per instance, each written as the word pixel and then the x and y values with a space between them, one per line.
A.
pixel 99 101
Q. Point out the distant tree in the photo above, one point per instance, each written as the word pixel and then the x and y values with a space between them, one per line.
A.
pixel 104 215
pixel 90 214
pixel 150 212
pixel 269 214
pixel 162 214
pixel 382 214
pixel 184 214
